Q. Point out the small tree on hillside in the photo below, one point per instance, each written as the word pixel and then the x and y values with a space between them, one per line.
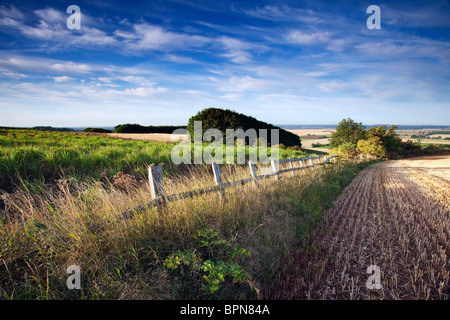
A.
pixel 388 137
pixel 347 131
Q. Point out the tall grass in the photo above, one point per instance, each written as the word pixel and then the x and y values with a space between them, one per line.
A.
pixel 191 249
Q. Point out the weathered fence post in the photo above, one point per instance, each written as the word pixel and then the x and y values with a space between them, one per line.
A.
pixel 291 163
pixel 301 162
pixel 274 166
pixel 155 177
pixel 253 172
pixel 311 162
pixel 218 178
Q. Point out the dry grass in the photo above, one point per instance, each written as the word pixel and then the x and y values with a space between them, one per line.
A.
pixel 81 223
pixel 394 215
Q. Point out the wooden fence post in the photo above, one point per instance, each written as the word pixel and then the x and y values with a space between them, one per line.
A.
pixel 274 168
pixel 253 172
pixel 218 178
pixel 155 177
pixel 301 162
pixel 311 162
pixel 217 175
pixel 291 163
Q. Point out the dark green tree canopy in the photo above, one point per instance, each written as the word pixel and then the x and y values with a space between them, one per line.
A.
pixel 97 130
pixel 137 128
pixel 222 119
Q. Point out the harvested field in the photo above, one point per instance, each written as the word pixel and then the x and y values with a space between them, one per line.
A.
pixel 315 132
pixel 314 137
pixel 395 216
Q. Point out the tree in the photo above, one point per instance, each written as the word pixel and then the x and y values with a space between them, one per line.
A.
pixel 223 119
pixel 97 130
pixel 388 137
pixel 347 131
pixel 372 146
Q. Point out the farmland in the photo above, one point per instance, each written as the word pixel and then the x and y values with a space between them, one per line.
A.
pixel 395 215
pixel 208 247
pixel 314 136
pixel 291 239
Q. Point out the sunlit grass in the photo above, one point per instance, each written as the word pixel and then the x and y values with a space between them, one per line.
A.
pixel 36 155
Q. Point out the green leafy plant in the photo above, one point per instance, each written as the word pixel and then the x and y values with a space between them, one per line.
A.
pixel 215 265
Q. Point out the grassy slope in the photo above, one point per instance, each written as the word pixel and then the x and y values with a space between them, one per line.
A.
pixel 39 157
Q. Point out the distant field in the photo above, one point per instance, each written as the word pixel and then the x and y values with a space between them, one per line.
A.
pixel 405 135
pixel 313 132
pixel 307 143
pixel 157 137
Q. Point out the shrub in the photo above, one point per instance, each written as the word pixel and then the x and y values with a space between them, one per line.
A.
pixel 372 147
pixel 215 118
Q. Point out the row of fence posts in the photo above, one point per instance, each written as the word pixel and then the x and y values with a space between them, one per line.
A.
pixel 157 189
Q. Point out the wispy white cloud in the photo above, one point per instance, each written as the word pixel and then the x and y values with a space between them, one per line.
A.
pixel 71 67
pixel 300 37
pixel 275 12
pixel 62 79
pixel 13 75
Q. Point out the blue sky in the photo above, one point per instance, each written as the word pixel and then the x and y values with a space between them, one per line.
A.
pixel 284 62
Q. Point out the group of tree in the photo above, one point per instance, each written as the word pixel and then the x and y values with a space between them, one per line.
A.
pixel 352 139
pixel 223 119
pixel 137 128
pixel 97 130
pixel 41 128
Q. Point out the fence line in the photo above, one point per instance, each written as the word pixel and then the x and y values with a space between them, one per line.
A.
pixel 159 197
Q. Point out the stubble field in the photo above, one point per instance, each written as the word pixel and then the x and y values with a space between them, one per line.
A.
pixel 395 216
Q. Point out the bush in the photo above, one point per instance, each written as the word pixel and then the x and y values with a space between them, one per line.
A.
pixel 347 132
pixel 215 118
pixel 346 150
pixel 372 147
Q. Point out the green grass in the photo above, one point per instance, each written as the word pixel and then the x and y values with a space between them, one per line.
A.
pixel 441 145
pixel 314 152
pixel 31 156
